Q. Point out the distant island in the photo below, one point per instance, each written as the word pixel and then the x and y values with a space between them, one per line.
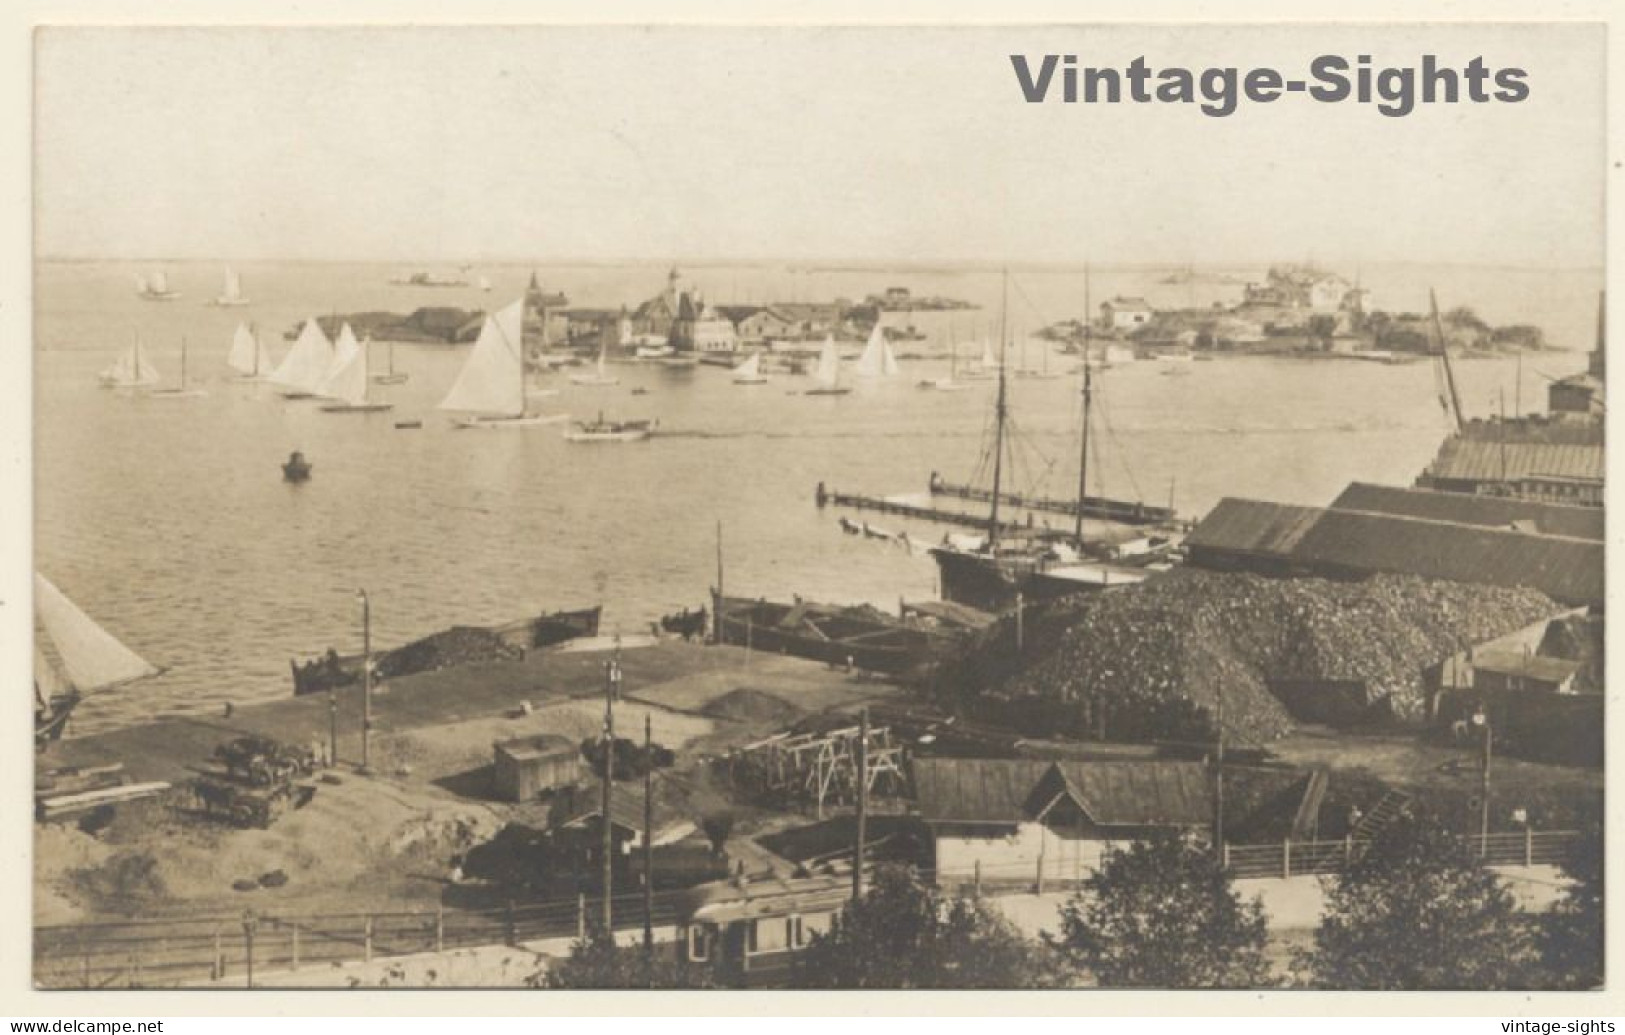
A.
pixel 430 325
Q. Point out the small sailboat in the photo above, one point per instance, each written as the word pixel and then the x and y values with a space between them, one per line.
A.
pixel 951 383
pixel 600 377
pixel 390 376
pixel 485 284
pixel 491 384
pixel 232 295
pixel 347 381
pixel 132 370
pixel 750 371
pixel 602 430
pixel 88 659
pixel 155 288
pixel 877 359
pixel 182 392
pixel 828 371
pixel 248 355
pixel 304 369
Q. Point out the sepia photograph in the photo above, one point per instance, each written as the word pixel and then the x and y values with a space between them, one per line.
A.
pixel 1051 506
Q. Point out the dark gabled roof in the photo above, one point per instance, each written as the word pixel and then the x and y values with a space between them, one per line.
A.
pixel 1339 542
pixel 576 804
pixel 1486 460
pixel 1469 509
pixel 1110 792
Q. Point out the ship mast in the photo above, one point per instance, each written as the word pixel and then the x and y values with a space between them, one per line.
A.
pixel 999 411
pixel 1083 445
pixel 1444 359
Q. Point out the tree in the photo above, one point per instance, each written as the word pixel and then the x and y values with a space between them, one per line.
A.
pixel 1570 937
pixel 596 961
pixel 904 934
pixel 1416 911
pixel 1161 914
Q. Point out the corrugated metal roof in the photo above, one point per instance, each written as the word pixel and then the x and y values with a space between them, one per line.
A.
pixel 1494 511
pixel 1486 460
pixel 1254 526
pixel 1340 542
pixel 1116 792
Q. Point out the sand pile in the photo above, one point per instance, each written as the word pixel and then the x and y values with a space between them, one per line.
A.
pixel 756 706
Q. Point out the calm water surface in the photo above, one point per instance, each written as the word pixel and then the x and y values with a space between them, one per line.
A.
pixel 168 521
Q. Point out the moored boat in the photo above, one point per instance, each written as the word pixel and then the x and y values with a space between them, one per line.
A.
pixel 602 430
pixel 181 392
pixel 460 644
pixel 861 636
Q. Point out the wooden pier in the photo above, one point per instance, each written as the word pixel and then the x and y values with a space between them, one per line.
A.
pixel 1121 511
pixel 826 497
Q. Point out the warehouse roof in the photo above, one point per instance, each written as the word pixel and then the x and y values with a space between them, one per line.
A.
pixel 1340 542
pixel 1486 460
pixel 1110 792
pixel 1469 509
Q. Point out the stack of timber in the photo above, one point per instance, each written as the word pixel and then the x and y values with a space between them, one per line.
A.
pixel 69 791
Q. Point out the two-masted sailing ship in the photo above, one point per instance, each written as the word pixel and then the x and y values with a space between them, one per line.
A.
pixel 490 389
pixel 87 659
pixel 1011 565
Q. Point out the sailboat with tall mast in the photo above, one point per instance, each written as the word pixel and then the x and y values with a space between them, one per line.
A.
pixel 248 355
pixel 600 377
pixel 390 376
pixel 750 371
pixel 155 288
pixel 182 392
pixel 232 294
pixel 1005 567
pixel 877 359
pixel 87 659
pixel 304 369
pixel 491 385
pixel 131 370
pixel 951 383
pixel 347 383
pixel 828 371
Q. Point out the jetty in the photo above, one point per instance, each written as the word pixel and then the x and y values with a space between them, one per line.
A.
pixel 826 496
pixel 1122 511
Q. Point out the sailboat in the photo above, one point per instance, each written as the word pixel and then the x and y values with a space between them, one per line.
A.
pixel 233 293
pixel 485 284
pixel 132 370
pixel 951 383
pixel 828 371
pixel 248 355
pixel 304 369
pixel 492 381
pixel 877 359
pixel 155 288
pixel 88 657
pixel 181 392
pixel 600 377
pixel 750 371
pixel 391 376
pixel 347 381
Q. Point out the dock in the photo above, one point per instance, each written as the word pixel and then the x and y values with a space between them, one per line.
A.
pixel 1122 511
pixel 829 497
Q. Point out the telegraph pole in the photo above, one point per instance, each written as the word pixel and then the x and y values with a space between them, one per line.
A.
pixel 612 678
pixel 863 803
pixel 648 846
pixel 366 681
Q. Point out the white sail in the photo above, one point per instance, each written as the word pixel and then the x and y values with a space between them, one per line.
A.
pixel 492 378
pixel 828 371
pixel 877 359
pixel 347 379
pixel 141 285
pixel 485 285
pixel 160 283
pixel 752 367
pixel 132 368
pixel 91 658
pixel 234 286
pixel 145 372
pixel 247 355
pixel 989 361
pixel 305 366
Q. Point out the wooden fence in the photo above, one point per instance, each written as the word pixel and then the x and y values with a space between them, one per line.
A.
pixel 171 953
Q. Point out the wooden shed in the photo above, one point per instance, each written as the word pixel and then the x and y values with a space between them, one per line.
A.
pixel 527 767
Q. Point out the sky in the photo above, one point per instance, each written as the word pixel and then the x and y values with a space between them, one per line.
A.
pixel 550 143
